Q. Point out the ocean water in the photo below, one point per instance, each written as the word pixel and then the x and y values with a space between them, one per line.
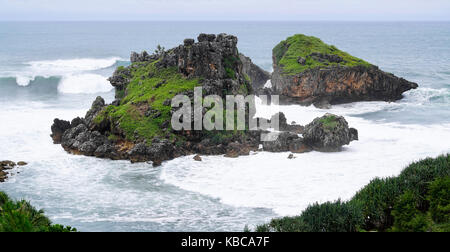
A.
pixel 50 70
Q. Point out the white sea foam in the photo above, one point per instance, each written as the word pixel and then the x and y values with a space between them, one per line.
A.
pixel 84 83
pixel 22 80
pixel 270 180
pixel 57 67
pixel 63 68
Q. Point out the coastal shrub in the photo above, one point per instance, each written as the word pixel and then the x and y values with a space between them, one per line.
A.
pixel 418 176
pixel 377 200
pixel 333 217
pixel 327 217
pixel 21 216
pixel 407 218
pixel 439 197
pixel 415 201
pixel 286 224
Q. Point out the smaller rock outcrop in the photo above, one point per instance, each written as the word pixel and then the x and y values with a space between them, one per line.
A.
pixel 308 71
pixel 329 133
pixel 8 165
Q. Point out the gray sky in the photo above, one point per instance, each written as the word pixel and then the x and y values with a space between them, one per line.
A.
pixel 339 10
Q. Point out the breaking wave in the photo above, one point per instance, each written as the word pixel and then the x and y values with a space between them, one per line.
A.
pixel 81 75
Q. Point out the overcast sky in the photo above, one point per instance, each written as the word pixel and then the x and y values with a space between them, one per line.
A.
pixel 340 10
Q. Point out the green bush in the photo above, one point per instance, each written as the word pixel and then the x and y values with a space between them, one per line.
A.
pixel 327 217
pixel 377 200
pixel 417 200
pixel 418 176
pixel 286 224
pixel 21 216
pixel 333 217
pixel 407 218
pixel 439 197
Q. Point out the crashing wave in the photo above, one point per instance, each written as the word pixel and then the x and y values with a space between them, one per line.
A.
pixel 84 83
pixel 74 75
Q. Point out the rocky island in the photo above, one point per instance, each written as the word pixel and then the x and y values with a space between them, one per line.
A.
pixel 136 126
pixel 308 71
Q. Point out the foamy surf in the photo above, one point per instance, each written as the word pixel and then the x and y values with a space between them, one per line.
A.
pixel 84 83
pixel 61 68
pixel 271 180
pixel 55 67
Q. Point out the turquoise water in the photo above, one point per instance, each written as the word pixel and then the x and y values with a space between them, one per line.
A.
pixel 50 70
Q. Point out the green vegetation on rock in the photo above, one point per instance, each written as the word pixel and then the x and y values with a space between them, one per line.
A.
pixel 416 201
pixel 21 216
pixel 288 52
pixel 147 91
pixel 330 122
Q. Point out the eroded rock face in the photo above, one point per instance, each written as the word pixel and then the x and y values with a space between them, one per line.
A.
pixel 213 61
pixel 329 133
pixel 258 77
pixel 309 71
pixel 58 129
pixel 338 85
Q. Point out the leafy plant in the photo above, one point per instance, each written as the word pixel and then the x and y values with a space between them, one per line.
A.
pixel 407 217
pixel 439 197
pixel 21 216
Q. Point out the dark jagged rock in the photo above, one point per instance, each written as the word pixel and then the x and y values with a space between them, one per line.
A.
pixel 213 63
pixel 307 71
pixel 329 133
pixel 299 146
pixel 281 144
pixel 284 126
pixel 257 76
pixel 96 107
pixel 8 165
pixel 136 126
pixel 58 128
pixel 141 57
pixel 197 158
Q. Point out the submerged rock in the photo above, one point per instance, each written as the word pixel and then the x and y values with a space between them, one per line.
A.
pixel 8 165
pixel 308 71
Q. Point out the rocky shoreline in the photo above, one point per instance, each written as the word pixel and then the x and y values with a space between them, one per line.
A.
pixel 7 165
pixel 136 126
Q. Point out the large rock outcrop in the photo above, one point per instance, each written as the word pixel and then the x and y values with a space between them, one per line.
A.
pixel 137 125
pixel 308 71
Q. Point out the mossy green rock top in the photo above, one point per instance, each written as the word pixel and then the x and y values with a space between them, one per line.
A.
pixel 308 71
pixel 300 52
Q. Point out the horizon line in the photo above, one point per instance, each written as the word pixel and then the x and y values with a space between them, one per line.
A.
pixel 206 20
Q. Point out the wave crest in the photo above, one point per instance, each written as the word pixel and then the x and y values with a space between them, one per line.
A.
pixel 84 83
pixel 55 67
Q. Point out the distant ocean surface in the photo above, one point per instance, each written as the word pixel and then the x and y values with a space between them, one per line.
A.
pixel 56 69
